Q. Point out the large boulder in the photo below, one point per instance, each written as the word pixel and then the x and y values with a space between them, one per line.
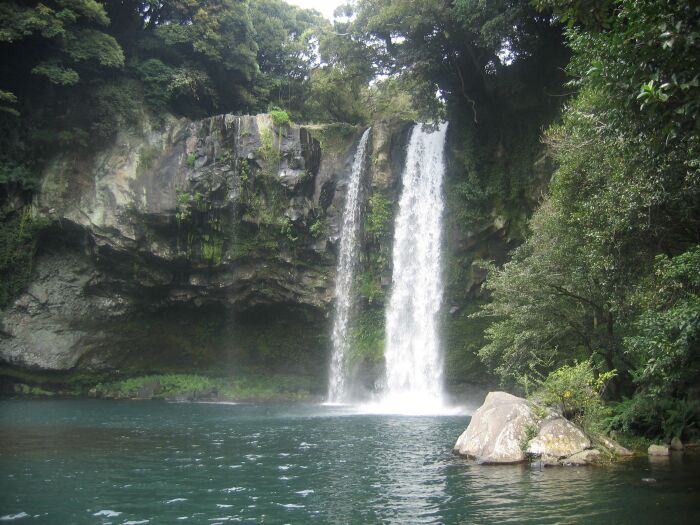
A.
pixel 509 429
pixel 497 429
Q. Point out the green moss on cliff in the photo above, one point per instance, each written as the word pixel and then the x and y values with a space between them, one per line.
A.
pixel 463 337
pixel 367 337
pixel 19 233
pixel 375 259
pixel 203 227
pixel 147 157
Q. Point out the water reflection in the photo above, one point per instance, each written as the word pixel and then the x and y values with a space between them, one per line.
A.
pixel 412 479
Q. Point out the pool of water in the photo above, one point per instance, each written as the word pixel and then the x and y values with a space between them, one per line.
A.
pixel 73 462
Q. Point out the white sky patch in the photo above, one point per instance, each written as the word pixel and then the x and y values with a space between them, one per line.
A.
pixel 325 7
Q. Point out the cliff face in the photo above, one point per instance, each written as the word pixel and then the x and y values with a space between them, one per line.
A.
pixel 204 244
pixel 210 246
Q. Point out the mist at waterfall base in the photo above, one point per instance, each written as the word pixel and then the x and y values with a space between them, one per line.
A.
pixel 413 381
pixel 99 462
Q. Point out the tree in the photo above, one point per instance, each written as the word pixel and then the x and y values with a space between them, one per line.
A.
pixel 665 343
pixel 607 268
pixel 72 33
pixel 78 71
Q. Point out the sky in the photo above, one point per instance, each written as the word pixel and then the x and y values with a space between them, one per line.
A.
pixel 326 7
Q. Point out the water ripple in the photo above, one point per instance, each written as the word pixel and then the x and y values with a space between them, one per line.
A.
pixel 160 463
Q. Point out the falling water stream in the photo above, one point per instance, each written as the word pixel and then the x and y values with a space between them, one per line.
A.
pixel 413 361
pixel 337 389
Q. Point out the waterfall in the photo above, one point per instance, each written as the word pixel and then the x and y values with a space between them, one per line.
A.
pixel 337 388
pixel 413 359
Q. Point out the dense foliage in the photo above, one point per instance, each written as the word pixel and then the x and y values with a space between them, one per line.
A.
pixel 74 72
pixel 610 268
pixel 494 67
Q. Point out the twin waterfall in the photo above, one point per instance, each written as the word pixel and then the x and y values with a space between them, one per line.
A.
pixel 345 274
pixel 412 353
pixel 413 380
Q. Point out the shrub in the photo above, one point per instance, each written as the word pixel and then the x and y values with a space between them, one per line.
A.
pixel 191 158
pixel 317 228
pixel 666 339
pixel 531 431
pixel 280 117
pixel 288 230
pixel 576 391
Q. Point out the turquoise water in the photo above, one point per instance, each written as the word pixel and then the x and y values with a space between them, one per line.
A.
pixel 65 462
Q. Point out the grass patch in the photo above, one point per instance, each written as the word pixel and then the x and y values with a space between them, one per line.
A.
pixel 170 385
pixel 634 443
pixel 254 388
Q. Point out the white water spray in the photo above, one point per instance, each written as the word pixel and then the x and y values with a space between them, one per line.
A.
pixel 347 256
pixel 414 381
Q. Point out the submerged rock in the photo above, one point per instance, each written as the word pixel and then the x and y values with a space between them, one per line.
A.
pixel 585 457
pixel 207 394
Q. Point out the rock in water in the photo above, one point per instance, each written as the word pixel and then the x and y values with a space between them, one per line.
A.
pixel 658 450
pixel 496 430
pixel 509 429
pixel 676 444
pixel 614 447
pixel 585 457
pixel 558 439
